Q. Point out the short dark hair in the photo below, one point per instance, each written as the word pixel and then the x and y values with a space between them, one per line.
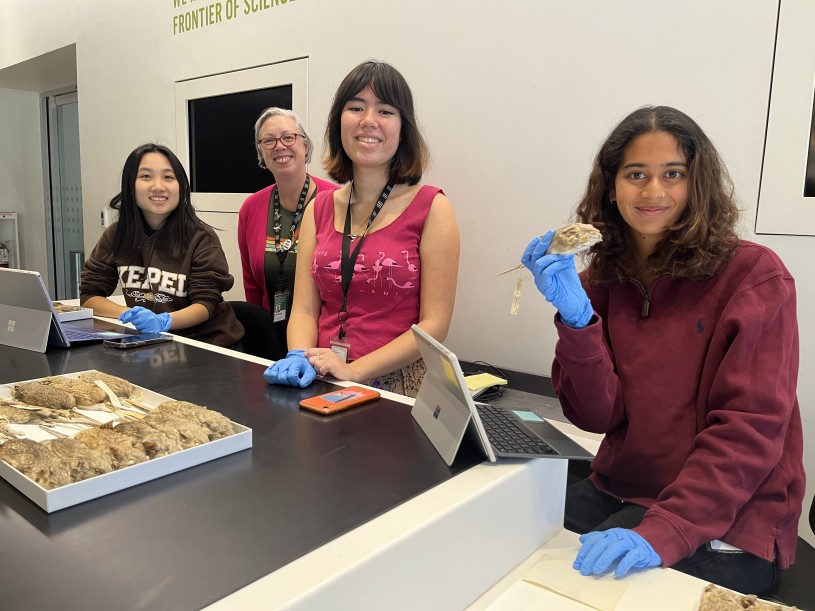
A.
pixel 180 225
pixel 412 155
pixel 702 239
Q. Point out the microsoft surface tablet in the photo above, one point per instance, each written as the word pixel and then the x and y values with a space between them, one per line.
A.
pixel 445 411
pixel 28 319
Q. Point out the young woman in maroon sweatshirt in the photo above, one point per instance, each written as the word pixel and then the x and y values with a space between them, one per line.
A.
pixel 678 342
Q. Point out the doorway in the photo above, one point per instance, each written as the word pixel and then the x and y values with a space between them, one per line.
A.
pixel 63 201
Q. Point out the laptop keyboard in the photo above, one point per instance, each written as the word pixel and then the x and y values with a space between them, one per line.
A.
pixel 79 334
pixel 506 436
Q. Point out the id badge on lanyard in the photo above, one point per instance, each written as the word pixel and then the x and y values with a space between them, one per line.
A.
pixel 277 250
pixel 340 347
pixel 280 306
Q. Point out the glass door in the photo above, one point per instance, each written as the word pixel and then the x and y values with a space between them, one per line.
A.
pixel 64 214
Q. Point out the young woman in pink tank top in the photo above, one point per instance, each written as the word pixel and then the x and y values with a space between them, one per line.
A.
pixel 383 250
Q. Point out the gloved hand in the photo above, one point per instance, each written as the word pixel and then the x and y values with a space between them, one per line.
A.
pixel 601 548
pixel 556 277
pixel 294 370
pixel 146 321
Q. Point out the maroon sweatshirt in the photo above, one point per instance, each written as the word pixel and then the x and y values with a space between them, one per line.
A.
pixel 697 400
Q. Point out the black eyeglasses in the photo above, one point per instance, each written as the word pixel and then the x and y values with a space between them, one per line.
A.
pixel 270 142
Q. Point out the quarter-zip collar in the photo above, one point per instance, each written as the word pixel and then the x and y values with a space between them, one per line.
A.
pixel 645 310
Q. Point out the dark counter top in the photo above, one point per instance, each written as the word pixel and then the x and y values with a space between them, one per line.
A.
pixel 190 538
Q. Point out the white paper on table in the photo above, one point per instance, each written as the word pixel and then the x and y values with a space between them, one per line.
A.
pixel 553 571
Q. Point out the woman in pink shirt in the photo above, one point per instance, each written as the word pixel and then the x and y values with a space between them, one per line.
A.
pixel 383 250
pixel 269 220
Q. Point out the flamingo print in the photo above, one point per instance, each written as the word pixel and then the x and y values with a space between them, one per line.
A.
pixel 411 268
pixel 406 285
pixel 381 262
pixel 334 265
pixel 377 267
pixel 388 262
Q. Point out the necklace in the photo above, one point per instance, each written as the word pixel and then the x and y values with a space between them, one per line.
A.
pixel 355 234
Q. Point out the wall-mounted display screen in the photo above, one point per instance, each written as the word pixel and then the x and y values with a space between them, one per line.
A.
pixel 223 157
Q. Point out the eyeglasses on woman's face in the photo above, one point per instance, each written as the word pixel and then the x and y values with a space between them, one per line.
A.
pixel 270 142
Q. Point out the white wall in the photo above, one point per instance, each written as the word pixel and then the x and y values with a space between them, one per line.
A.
pixel 514 97
pixel 21 185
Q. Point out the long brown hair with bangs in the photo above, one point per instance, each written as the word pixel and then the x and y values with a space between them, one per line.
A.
pixel 702 239
pixel 412 156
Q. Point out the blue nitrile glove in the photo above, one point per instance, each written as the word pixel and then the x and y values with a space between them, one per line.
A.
pixel 146 321
pixel 601 548
pixel 556 277
pixel 294 370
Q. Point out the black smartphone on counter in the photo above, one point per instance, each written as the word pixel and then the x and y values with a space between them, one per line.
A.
pixel 137 341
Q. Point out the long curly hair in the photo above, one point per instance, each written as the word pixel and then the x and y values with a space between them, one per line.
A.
pixel 701 240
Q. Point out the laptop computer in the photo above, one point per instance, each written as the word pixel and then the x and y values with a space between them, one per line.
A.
pixel 28 319
pixel 445 411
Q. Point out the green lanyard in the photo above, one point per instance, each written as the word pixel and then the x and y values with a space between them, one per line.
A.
pixel 274 246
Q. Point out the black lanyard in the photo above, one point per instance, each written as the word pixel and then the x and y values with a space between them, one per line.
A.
pixel 273 227
pixel 348 258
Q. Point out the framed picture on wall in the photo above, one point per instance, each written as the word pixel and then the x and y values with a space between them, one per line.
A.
pixel 786 201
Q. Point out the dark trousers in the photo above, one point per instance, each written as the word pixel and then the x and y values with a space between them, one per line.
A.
pixel 589 509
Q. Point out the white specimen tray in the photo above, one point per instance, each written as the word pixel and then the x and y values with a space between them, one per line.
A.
pixel 100 485
pixel 80 314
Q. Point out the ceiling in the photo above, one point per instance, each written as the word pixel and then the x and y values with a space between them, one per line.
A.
pixel 48 72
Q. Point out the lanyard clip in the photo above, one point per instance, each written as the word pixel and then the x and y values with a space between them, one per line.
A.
pixel 342 316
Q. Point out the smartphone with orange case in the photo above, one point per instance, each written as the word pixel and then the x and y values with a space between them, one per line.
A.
pixel 339 400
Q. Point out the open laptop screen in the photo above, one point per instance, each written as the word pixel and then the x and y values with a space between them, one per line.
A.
pixel 27 316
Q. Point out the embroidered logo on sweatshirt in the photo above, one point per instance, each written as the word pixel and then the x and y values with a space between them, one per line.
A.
pixel 135 277
pixel 700 327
